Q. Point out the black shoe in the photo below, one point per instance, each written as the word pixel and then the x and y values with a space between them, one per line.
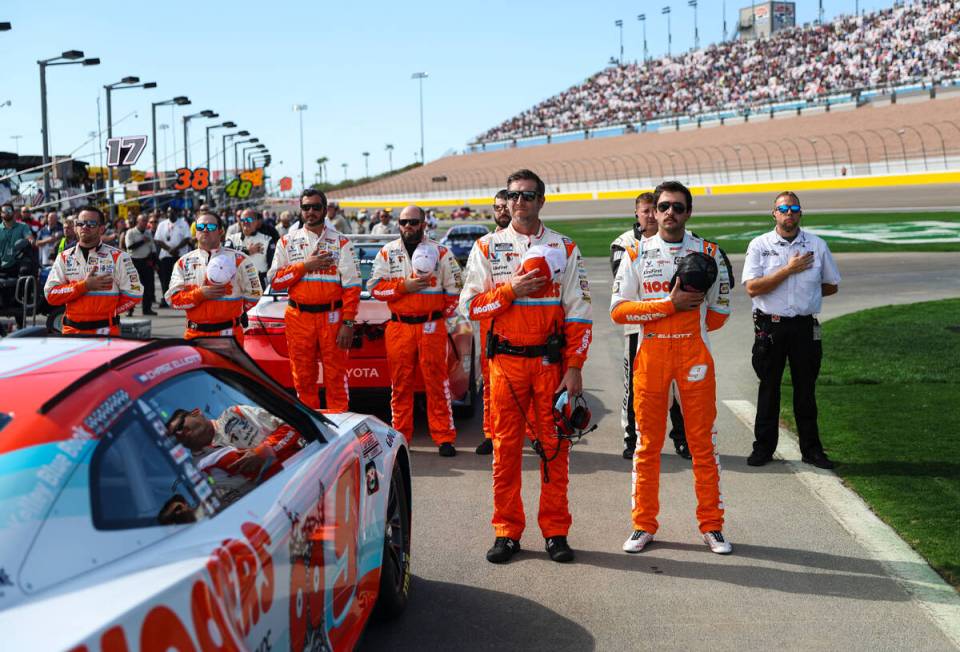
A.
pixel 758 459
pixel 447 449
pixel 503 549
pixel 819 460
pixel 130 313
pixel 559 550
pixel 682 449
pixel 149 313
pixel 485 448
pixel 162 304
pixel 628 453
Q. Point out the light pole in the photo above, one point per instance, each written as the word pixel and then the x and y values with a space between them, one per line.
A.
pixel 643 19
pixel 366 164
pixel 696 31
pixel 206 113
pixel 344 166
pixel 259 150
pixel 724 10
pixel 126 82
pixel 321 164
pixel 419 76
pixel 16 140
pixel 389 149
pixel 67 58
pixel 236 155
pixel 6 103
pixel 180 100
pixel 300 108
pixel 223 125
pixel 227 137
pixel 619 24
pixel 243 154
pixel 666 12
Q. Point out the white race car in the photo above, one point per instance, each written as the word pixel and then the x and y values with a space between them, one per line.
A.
pixel 168 495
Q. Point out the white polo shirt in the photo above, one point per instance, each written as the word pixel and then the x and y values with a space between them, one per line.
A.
pixel 799 294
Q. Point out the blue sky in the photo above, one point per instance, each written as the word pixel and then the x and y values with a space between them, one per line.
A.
pixel 350 62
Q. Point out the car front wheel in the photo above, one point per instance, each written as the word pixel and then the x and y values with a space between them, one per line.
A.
pixel 395 574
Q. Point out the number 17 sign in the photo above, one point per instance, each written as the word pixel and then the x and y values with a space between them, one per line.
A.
pixel 125 150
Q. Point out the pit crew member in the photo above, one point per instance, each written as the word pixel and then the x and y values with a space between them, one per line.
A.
pixel 97 282
pixel 673 348
pixel 318 268
pixel 420 280
pixel 214 284
pixel 540 333
pixel 257 245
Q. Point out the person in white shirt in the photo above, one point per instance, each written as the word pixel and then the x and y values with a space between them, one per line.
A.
pixel 173 240
pixel 384 227
pixel 787 272
pixel 252 242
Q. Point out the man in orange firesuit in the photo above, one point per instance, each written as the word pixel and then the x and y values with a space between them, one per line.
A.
pixel 540 333
pixel 501 217
pixel 420 280
pixel 318 268
pixel 97 282
pixel 674 349
pixel 214 284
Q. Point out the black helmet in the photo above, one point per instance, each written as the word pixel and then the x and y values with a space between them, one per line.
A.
pixel 696 271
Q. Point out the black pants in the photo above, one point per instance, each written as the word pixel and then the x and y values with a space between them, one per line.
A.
pixel 797 340
pixel 145 272
pixel 166 271
pixel 629 418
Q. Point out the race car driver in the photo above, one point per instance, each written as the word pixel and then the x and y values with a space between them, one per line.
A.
pixel 501 217
pixel 674 349
pixel 97 282
pixel 645 226
pixel 420 280
pixel 540 333
pixel 318 268
pixel 215 285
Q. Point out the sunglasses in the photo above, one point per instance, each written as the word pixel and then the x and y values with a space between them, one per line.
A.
pixel 208 226
pixel 412 222
pixel 677 206
pixel 499 209
pixel 90 224
pixel 528 195
pixel 789 208
pixel 247 220
pixel 312 207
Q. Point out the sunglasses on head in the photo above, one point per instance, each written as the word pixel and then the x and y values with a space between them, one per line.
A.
pixel 208 226
pixel 409 222
pixel 677 206
pixel 527 195
pixel 90 224
pixel 789 208
pixel 312 207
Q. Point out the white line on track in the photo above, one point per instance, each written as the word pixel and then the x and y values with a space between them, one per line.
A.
pixel 929 591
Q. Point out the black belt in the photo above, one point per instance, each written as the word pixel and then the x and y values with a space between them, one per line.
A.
pixel 316 307
pixel 533 351
pixel 777 318
pixel 416 319
pixel 213 327
pixel 91 325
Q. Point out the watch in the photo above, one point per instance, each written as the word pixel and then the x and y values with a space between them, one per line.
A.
pixel 348 322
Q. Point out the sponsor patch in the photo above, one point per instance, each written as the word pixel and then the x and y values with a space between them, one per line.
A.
pixel 502 246
pixel 168 367
pixel 179 454
pixel 106 413
pixel 372 477
pixel 724 288
pixel 390 438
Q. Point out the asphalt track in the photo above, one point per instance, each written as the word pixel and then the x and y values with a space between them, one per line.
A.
pixel 796 579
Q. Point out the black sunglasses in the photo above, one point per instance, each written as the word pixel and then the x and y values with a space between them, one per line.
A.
pixel 411 222
pixel 677 206
pixel 312 207
pixel 789 208
pixel 528 195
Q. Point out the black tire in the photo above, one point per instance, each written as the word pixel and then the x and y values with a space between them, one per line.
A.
pixel 469 408
pixel 395 576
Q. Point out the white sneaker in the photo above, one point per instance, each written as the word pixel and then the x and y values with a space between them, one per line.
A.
pixel 717 543
pixel 637 541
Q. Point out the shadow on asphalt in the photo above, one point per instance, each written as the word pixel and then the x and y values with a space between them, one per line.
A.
pixel 444 616
pixel 849 577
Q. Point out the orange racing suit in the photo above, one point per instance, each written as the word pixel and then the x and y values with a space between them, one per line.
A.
pixel 212 317
pixel 673 348
pixel 417 334
pixel 522 386
pixel 93 313
pixel 318 302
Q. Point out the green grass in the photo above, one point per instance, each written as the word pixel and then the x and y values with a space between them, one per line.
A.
pixel 889 407
pixel 734 232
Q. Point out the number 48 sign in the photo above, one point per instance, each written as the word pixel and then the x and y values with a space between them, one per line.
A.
pixel 125 150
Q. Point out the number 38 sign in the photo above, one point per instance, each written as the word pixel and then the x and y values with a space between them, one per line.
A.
pixel 198 179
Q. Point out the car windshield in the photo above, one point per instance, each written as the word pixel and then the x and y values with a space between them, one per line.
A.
pixel 469 235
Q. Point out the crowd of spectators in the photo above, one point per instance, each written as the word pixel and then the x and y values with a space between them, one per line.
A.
pixel 919 41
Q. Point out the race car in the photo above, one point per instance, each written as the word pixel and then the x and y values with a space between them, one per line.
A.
pixel 460 238
pixel 367 371
pixel 462 213
pixel 122 528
